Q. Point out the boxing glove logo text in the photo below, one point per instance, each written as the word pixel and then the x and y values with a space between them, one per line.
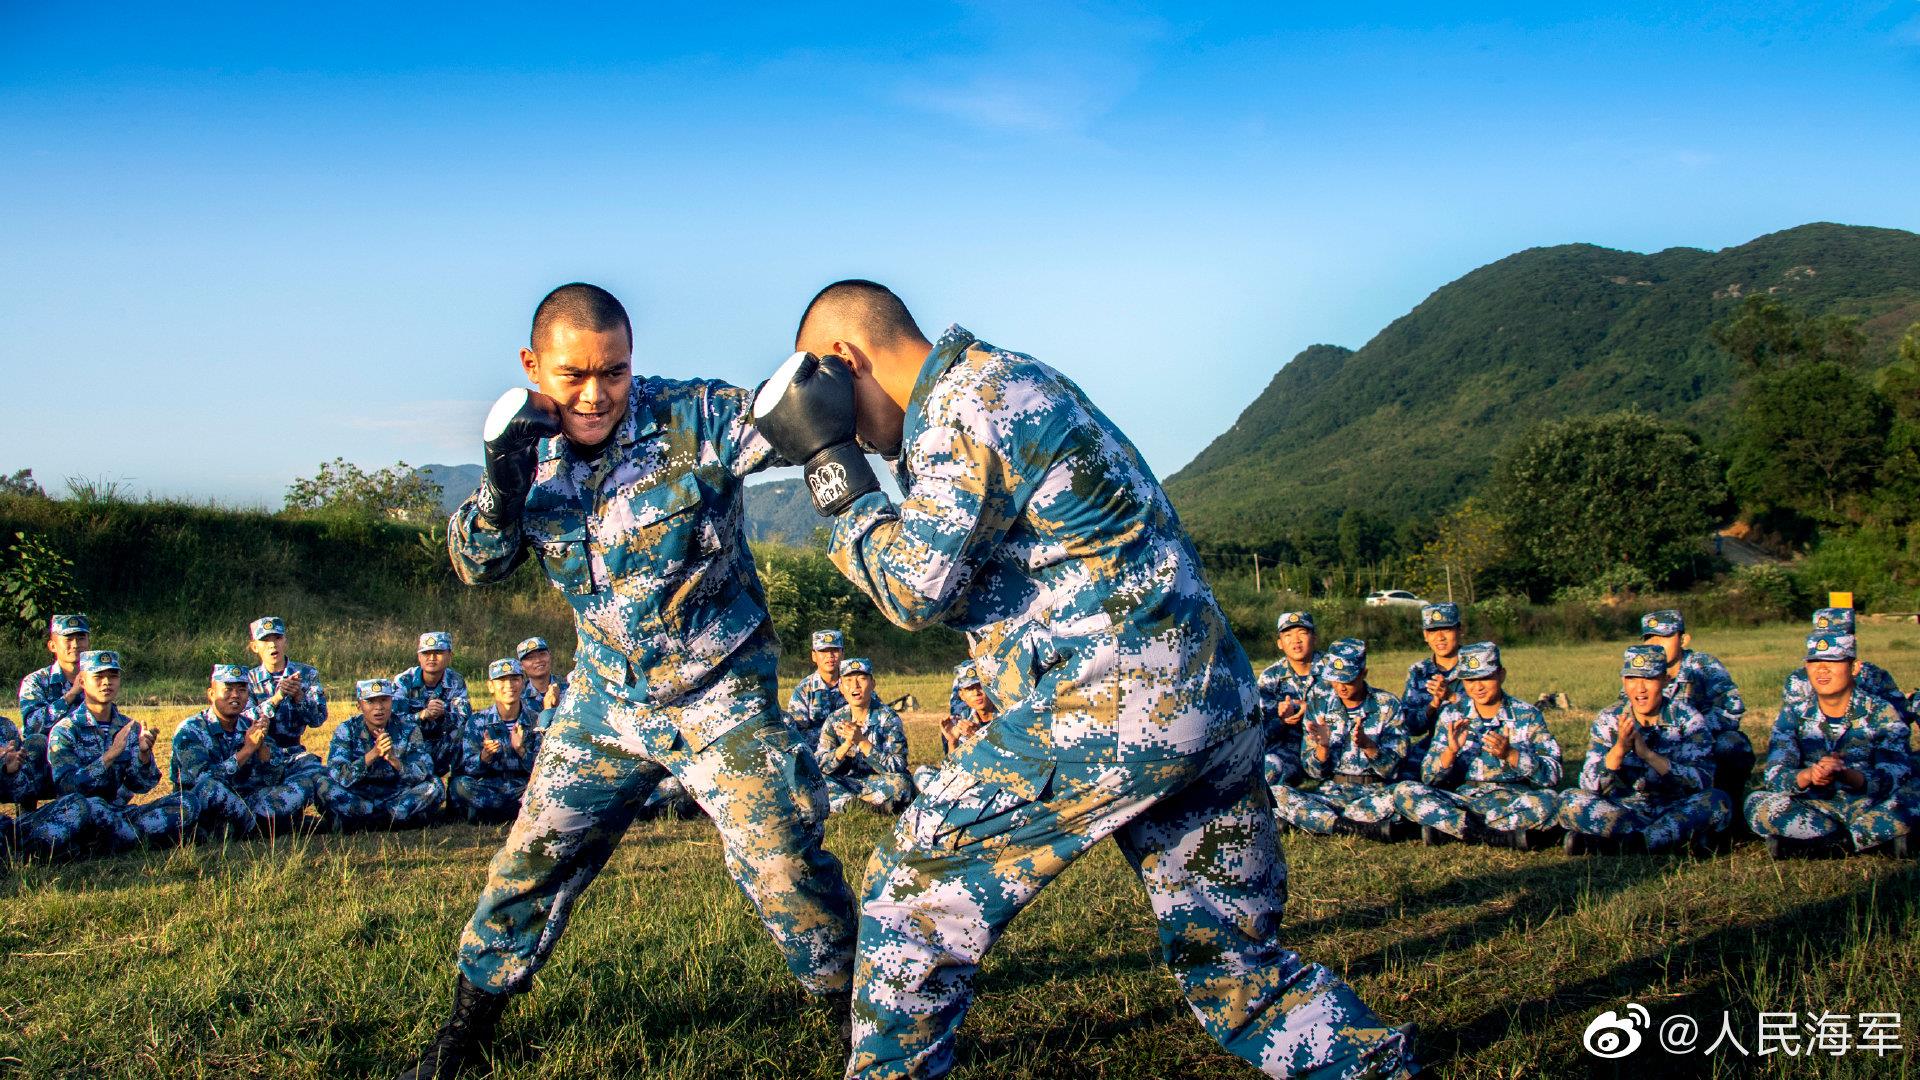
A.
pixel 829 483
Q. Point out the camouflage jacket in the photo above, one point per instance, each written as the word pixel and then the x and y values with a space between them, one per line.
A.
pixel 1872 737
pixel 292 717
pixel 411 694
pixel 812 702
pixel 884 730
pixel 486 724
pixel 646 544
pixel 1378 716
pixel 1415 700
pixel 1279 682
pixel 1703 682
pixel 42 700
pixel 533 703
pixel 1872 679
pixel 203 747
pixel 1683 737
pixel 25 782
pixel 1539 753
pixel 347 758
pixel 1031 524
pixel 75 748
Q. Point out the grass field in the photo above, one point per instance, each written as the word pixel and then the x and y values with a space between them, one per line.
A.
pixel 326 957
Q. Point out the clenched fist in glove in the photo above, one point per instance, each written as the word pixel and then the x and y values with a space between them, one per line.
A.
pixel 806 411
pixel 517 422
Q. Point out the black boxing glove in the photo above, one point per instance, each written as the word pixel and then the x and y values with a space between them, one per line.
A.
pixel 806 411
pixel 515 424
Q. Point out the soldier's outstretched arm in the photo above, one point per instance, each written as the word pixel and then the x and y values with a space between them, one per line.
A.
pixel 481 551
pixel 728 414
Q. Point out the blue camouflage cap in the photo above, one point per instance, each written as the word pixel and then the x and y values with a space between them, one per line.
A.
pixel 1439 616
pixel 67 625
pixel 99 660
pixel 1664 623
pixel 1346 660
pixel 859 665
pixel 503 668
pixel 1830 645
pixel 1291 619
pixel 828 639
pixel 265 625
pixel 368 689
pixel 529 647
pixel 228 674
pixel 1480 660
pixel 1643 662
pixel 966 679
pixel 1837 619
pixel 435 641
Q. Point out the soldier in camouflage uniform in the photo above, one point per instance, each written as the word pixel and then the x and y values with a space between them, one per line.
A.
pixel 543 690
pixel 975 711
pixel 863 747
pixel 501 742
pixel 291 696
pixel 1129 710
pixel 98 753
pixel 433 697
pixel 634 510
pixel 224 754
pixel 957 708
pixel 1492 769
pixel 1647 783
pixel 818 696
pixel 1835 763
pixel 379 773
pixel 1286 686
pixel 1352 744
pixel 1869 678
pixel 1432 683
pixel 47 696
pixel 1703 682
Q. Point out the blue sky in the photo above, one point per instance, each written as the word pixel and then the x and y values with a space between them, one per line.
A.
pixel 238 242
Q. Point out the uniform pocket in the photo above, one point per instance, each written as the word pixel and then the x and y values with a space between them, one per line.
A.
pixel 568 562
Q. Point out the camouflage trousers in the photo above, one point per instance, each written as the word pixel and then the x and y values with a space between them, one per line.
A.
pixel 445 749
pixel 35 779
pixel 1664 822
pixel 601 761
pixel 59 827
pixel 880 790
pixel 1319 810
pixel 487 797
pixel 250 806
pixel 76 822
pixel 1280 767
pixel 1865 820
pixel 301 768
pixel 395 807
pixel 1500 807
pixel 997 824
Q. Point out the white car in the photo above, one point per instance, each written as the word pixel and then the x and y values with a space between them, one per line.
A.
pixel 1393 598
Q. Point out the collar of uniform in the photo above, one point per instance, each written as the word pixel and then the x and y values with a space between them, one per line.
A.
pixel 953 344
pixel 639 423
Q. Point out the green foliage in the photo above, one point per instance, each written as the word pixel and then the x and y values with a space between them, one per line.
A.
pixel 36 583
pixel 399 493
pixel 21 482
pixel 1583 497
pixel 805 592
pixel 1811 440
pixel 1877 563
pixel 1466 544
pixel 1769 334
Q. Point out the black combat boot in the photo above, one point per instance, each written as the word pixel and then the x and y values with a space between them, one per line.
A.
pixel 462 1039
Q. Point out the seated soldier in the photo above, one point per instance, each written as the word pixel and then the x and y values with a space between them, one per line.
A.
pixel 956 729
pixel 288 693
pixel 379 772
pixel 543 690
pixel 1834 763
pixel 501 742
pixel 1352 744
pixel 1431 683
pixel 224 754
pixel 17 782
pixel 1703 682
pixel 1285 688
pixel 46 696
pixel 818 696
pixel 432 697
pixel 1868 678
pixel 957 708
pixel 1647 783
pixel 1492 769
pixel 863 747
pixel 98 753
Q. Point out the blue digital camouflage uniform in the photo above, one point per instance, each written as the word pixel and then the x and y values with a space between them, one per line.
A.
pixel 1353 786
pixel 491 789
pixel 293 717
pixel 963 675
pixel 1703 682
pixel 1278 683
pixel 876 776
pixel 1418 710
pixel 1871 678
pixel 1870 737
pixel 1636 799
pixel 42 704
pixel 1128 709
pixel 442 736
pixel 675 676
pixel 355 793
pixel 21 784
pixel 76 753
pixel 533 699
pixel 246 796
pixel 1481 790
pixel 808 707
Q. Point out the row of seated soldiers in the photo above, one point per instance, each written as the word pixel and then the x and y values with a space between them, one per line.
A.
pixel 1667 765
pixel 416 750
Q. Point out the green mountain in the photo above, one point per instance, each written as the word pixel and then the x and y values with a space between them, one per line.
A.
pixel 1407 425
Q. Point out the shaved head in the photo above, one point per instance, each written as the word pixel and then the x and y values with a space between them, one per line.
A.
pixel 579 305
pixel 863 312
